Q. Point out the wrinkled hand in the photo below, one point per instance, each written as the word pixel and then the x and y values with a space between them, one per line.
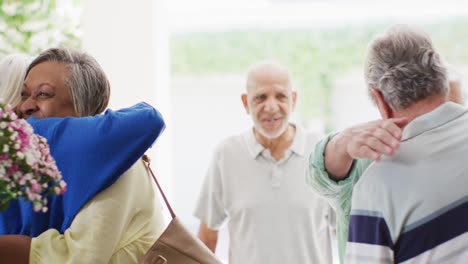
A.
pixel 364 141
pixel 371 139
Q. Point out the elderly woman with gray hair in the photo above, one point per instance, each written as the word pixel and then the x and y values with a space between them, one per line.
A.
pixel 110 212
pixel 12 71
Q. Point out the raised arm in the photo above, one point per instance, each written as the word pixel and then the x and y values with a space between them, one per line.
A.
pixel 364 141
pixel 97 149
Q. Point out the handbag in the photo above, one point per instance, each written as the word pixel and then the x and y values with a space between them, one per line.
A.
pixel 176 245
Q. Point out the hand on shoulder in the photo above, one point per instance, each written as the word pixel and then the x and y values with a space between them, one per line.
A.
pixel 364 141
pixel 370 140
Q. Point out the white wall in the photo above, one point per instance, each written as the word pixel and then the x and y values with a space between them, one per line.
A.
pixel 350 104
pixel 130 41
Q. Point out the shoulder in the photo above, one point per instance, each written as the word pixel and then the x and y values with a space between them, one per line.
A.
pixel 375 188
pixel 376 175
pixel 133 179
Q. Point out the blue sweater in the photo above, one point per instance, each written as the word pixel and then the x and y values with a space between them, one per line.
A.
pixel 92 153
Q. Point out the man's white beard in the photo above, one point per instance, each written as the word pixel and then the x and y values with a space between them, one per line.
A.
pixel 260 130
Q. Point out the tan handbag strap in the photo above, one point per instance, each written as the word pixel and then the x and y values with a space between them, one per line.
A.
pixel 146 159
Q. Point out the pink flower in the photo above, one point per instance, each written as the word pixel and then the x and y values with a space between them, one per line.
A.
pixel 22 181
pixel 14 168
pixel 64 189
pixel 30 195
pixel 36 187
pixel 26 167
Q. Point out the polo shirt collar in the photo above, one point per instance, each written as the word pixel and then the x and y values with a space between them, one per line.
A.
pixel 255 148
pixel 436 118
pixel 298 143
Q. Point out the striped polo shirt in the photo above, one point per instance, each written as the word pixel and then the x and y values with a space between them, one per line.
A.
pixel 413 207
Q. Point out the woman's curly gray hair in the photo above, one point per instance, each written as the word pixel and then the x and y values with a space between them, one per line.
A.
pixel 403 65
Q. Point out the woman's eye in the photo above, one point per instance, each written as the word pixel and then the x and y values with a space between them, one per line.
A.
pixel 24 96
pixel 43 94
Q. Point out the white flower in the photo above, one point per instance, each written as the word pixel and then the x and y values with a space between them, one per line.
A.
pixel 30 159
pixel 37 207
pixel 14 135
pixel 62 184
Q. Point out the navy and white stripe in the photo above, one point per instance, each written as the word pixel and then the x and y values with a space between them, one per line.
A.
pixel 438 238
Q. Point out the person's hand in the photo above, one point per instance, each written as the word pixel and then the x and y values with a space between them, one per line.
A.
pixel 364 141
pixel 371 139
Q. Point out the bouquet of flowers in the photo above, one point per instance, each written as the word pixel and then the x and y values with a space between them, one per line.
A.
pixel 27 170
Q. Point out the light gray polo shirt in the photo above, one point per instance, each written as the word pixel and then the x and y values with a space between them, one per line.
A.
pixel 273 217
pixel 412 207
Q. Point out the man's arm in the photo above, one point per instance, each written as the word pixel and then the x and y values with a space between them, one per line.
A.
pixel 208 236
pixel 364 141
pixel 210 207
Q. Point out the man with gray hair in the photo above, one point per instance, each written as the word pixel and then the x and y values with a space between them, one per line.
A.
pixel 255 181
pixel 340 159
pixel 409 207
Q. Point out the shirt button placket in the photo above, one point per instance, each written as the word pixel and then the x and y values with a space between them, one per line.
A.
pixel 275 176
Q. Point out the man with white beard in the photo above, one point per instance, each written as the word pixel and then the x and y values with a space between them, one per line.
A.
pixel 256 182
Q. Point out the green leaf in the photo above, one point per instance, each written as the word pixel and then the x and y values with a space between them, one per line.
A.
pixel 4 205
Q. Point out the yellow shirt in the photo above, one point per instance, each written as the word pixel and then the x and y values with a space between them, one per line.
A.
pixel 117 226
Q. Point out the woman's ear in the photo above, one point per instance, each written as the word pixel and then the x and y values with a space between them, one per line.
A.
pixel 385 110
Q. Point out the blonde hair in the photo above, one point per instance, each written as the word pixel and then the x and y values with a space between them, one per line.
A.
pixel 12 72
